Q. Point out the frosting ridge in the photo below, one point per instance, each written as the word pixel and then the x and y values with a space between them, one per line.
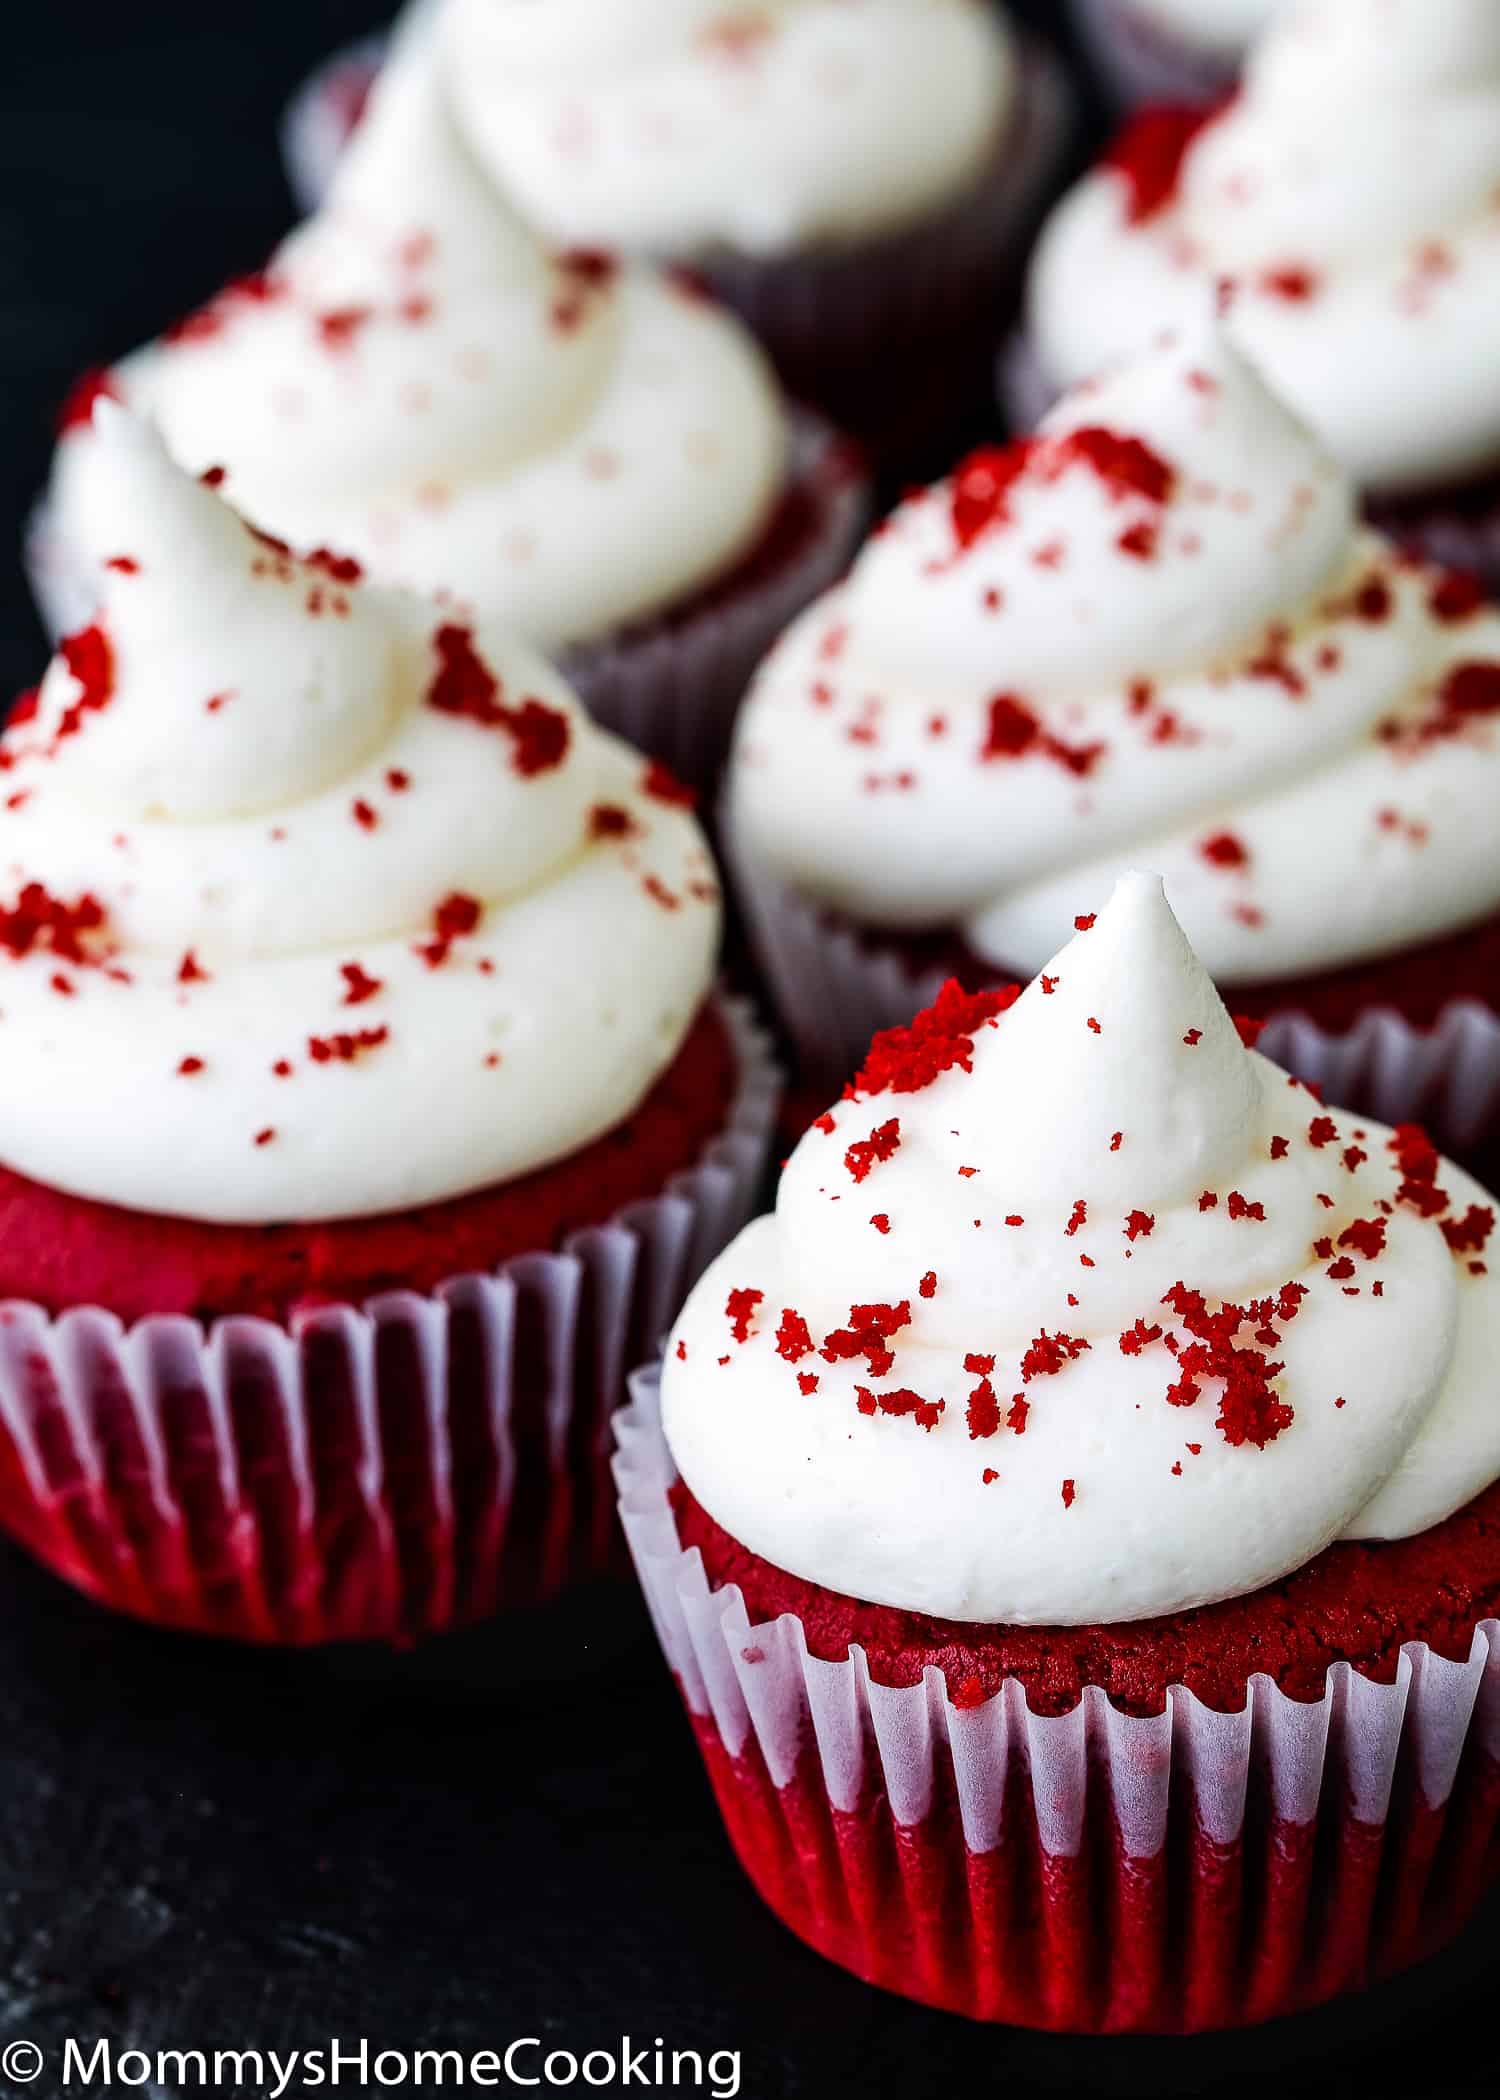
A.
pixel 1351 193
pixel 348 899
pixel 1155 632
pixel 681 126
pixel 546 439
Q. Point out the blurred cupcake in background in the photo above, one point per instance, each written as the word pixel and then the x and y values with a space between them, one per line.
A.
pixel 860 179
pixel 1349 199
pixel 1170 50
pixel 367 1108
pixel 1072 1517
pixel 597 458
pixel 1156 632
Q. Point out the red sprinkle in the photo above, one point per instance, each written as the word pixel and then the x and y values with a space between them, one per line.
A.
pixel 465 685
pixel 740 1309
pixel 359 984
pixel 1149 154
pixel 905 1060
pixel 865 1153
pixel 1224 850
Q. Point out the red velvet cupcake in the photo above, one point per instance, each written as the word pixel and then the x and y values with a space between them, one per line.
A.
pixel 368 1110
pixel 1155 631
pixel 1072 1518
pixel 599 459
pixel 788 157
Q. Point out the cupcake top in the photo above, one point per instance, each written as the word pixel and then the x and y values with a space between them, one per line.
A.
pixel 548 440
pixel 1076 1310
pixel 1351 195
pixel 678 127
pixel 1220 27
pixel 315 902
pixel 1153 632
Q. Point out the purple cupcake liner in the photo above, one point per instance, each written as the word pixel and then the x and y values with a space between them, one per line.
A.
pixel 1138 61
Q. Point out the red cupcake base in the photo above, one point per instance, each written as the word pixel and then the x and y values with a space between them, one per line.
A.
pixel 379 1470
pixel 1202 1935
pixel 1006 1852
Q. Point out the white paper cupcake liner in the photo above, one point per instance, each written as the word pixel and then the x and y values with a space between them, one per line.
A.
pixel 364 1473
pixel 833 989
pixel 997 1783
pixel 1138 61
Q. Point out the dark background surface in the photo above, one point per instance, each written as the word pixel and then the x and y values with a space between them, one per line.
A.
pixel 202 1848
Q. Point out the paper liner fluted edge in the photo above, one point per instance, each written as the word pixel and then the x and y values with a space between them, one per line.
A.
pixel 183 1474
pixel 1091 1871
pixel 761 1680
pixel 673 686
pixel 834 990
pixel 1138 62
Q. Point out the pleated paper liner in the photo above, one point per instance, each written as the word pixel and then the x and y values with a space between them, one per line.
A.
pixel 891 336
pixel 1139 61
pixel 382 1472
pixel 1092 1872
pixel 833 989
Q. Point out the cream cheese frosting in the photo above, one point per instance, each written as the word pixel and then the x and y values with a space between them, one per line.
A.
pixel 1076 1310
pixel 1153 633
pixel 1351 195
pixel 678 127
pixel 549 441
pixel 316 902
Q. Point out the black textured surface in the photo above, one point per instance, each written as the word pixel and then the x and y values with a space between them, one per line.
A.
pixel 204 1848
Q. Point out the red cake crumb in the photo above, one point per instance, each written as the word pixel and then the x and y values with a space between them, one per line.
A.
pixel 465 685
pixel 866 1153
pixel 905 1060
pixel 740 1311
pixel 1355 1602
pixel 58 1250
pixel 1148 156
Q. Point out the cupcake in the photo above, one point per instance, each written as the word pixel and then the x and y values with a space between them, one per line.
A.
pixel 599 459
pixel 1155 631
pixel 367 1110
pixel 1348 200
pixel 1169 50
pixel 1072 1521
pixel 849 174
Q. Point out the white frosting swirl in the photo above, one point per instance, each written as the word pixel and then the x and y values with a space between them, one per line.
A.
pixel 676 127
pixel 1220 27
pixel 1352 194
pixel 313 903
pixel 547 442
pixel 1102 1152
pixel 1154 634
